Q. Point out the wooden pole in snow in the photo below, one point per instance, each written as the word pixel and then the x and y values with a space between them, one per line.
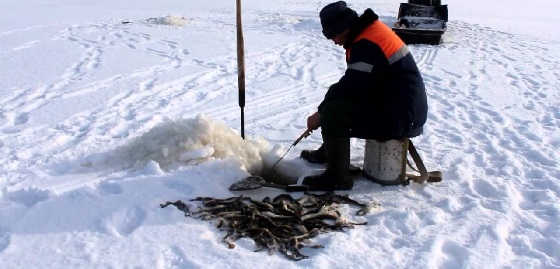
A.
pixel 240 67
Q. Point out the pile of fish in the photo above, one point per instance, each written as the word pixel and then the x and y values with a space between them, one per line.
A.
pixel 283 224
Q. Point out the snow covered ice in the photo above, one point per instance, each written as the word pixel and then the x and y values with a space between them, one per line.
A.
pixel 99 124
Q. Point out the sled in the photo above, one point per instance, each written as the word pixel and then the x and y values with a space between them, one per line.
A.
pixel 421 22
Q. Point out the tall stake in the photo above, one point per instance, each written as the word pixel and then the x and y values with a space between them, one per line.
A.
pixel 240 67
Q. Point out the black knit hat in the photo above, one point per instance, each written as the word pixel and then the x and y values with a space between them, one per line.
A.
pixel 336 17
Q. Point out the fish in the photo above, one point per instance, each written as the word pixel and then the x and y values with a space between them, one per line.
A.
pixel 282 224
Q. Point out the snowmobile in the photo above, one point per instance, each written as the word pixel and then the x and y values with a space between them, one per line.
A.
pixel 421 22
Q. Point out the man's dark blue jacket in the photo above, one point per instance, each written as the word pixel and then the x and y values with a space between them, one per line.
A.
pixel 382 83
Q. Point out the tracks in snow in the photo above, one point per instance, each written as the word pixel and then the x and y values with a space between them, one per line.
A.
pixel 493 139
pixel 4 240
pixel 181 86
pixel 496 135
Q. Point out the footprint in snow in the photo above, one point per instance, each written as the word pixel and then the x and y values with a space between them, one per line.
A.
pixel 4 240
pixel 110 188
pixel 28 197
pixel 126 221
pixel 11 130
pixel 456 255
pixel 21 119
pixel 174 257
pixel 486 189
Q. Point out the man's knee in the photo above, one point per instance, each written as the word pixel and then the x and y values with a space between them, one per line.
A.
pixel 335 119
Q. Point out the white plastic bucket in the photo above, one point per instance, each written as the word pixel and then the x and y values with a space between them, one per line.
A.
pixel 385 162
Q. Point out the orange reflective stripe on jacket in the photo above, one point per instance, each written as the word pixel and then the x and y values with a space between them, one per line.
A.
pixel 384 37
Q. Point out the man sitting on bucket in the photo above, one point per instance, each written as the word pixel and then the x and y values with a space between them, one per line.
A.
pixel 381 95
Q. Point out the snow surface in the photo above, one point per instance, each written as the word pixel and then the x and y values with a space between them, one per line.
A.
pixel 99 124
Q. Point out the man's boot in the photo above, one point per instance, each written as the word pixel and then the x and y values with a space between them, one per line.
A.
pixel 319 156
pixel 315 156
pixel 336 176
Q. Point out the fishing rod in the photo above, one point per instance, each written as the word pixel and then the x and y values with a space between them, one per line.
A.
pixel 302 136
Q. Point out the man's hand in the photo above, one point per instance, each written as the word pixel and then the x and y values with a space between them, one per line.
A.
pixel 314 121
